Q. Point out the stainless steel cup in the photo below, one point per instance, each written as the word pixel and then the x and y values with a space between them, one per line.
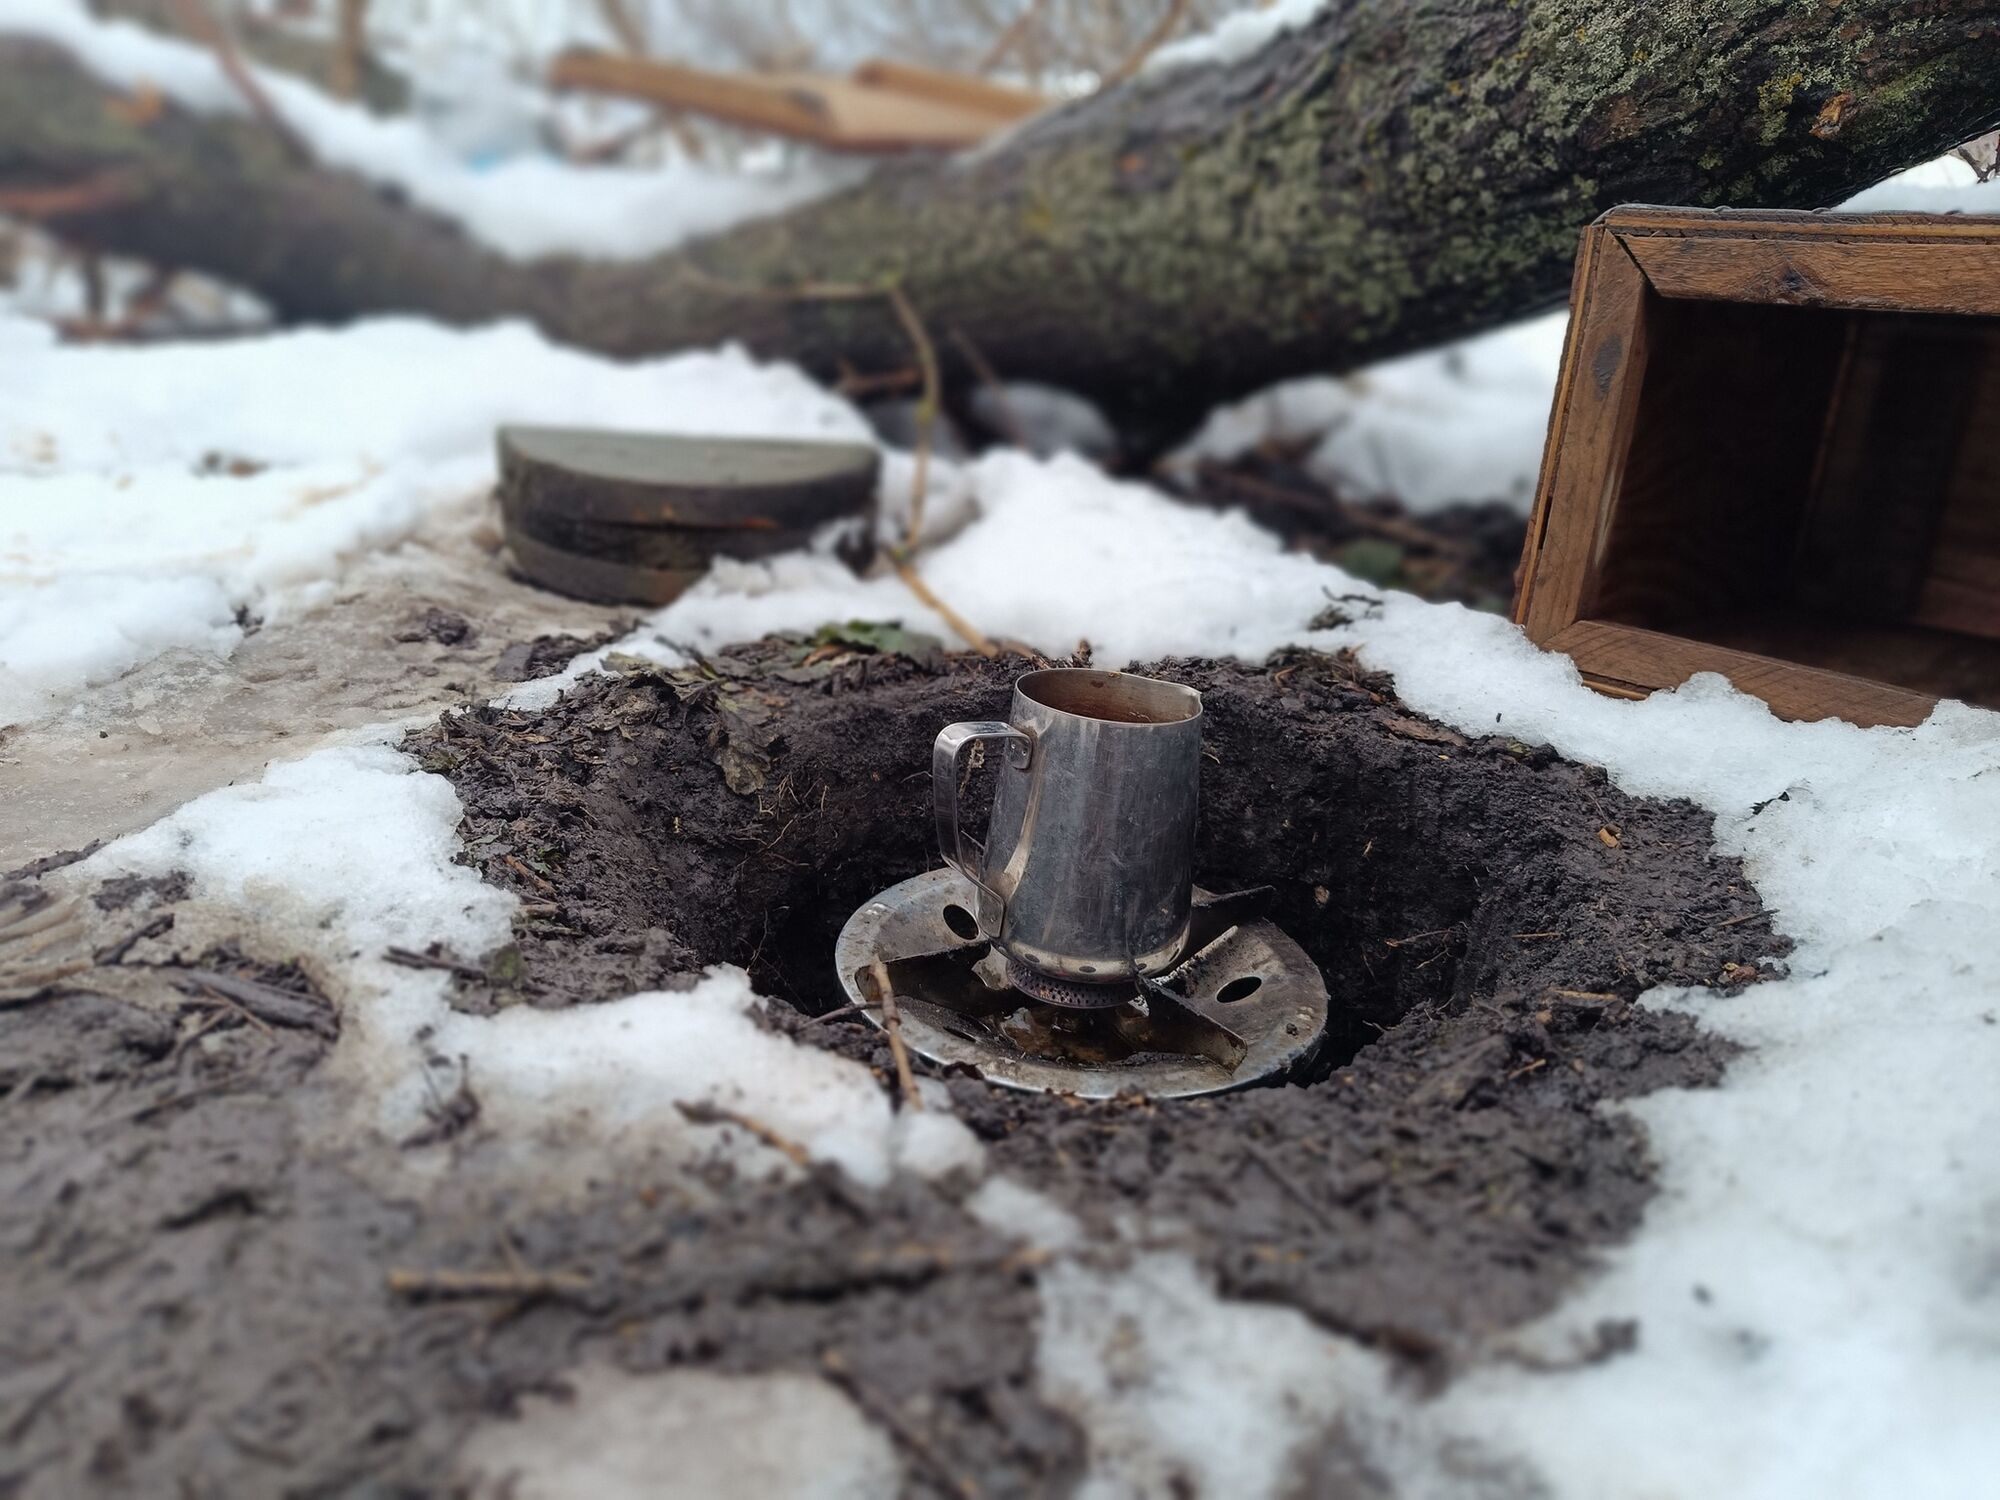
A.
pixel 1087 870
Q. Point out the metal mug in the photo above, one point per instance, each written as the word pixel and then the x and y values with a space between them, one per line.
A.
pixel 1086 875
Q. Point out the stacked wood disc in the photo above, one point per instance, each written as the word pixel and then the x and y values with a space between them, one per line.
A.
pixel 636 518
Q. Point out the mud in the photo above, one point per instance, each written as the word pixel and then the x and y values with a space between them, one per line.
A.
pixel 197 1292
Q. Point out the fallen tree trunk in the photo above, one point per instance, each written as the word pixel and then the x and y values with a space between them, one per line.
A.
pixel 1394 173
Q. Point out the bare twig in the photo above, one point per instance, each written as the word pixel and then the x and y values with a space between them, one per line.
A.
pixel 200 22
pixel 842 1374
pixel 1006 42
pixel 927 363
pixel 967 631
pixel 927 408
pixel 350 47
pixel 117 951
pixel 514 864
pixel 1288 1187
pixel 892 1025
pixel 834 1015
pixel 410 959
pixel 1165 27
pixel 697 1112
pixel 99 190
pixel 267 1002
pixel 1003 409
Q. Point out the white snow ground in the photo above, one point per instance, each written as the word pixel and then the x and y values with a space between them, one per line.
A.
pixel 1818 1283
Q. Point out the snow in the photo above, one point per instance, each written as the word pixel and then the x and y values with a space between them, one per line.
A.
pixel 347 852
pixel 1184 1393
pixel 523 205
pixel 1820 1263
pixel 609 1437
pixel 128 527
pixel 1466 422
pixel 1376 432
pixel 1014 1208
pixel 1831 1201
pixel 1235 36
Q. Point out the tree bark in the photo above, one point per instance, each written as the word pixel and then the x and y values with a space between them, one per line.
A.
pixel 1395 173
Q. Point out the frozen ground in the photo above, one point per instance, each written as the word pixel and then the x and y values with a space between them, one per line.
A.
pixel 1817 1285
pixel 1820 1264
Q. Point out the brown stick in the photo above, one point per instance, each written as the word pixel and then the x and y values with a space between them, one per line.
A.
pixel 1010 422
pixel 927 407
pixel 892 1024
pixel 99 190
pixel 926 1456
pixel 267 1002
pixel 967 631
pixel 698 1112
pixel 200 22
pixel 350 48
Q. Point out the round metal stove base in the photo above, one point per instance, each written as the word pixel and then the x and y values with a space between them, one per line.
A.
pixel 1248 1007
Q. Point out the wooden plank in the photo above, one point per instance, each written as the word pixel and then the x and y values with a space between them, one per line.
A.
pixel 961 90
pixel 1629 658
pixel 1634 220
pixel 836 114
pixel 1590 431
pixel 1886 274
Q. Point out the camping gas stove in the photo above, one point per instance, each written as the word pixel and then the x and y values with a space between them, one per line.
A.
pixel 1239 1003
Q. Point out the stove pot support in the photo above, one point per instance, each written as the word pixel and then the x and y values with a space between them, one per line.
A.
pixel 1087 870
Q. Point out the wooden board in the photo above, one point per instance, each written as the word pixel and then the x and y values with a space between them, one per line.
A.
pixel 1766 458
pixel 883 107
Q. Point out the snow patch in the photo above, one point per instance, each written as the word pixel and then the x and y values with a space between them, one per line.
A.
pixel 1820 1260
pixel 1184 1393
pixel 1059 552
pixel 684 1435
pixel 349 851
pixel 1461 423
pixel 151 492
pixel 1235 36
pixel 1014 1208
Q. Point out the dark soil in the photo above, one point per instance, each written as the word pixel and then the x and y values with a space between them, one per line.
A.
pixel 196 1291
pixel 546 655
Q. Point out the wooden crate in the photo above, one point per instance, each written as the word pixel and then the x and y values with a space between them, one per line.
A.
pixel 1773 456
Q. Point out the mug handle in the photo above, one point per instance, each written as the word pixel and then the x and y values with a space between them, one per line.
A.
pixel 961 850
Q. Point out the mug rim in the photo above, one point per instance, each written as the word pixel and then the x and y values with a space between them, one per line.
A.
pixel 1184 695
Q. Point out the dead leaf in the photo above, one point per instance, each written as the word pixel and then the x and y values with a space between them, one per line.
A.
pixel 1416 729
pixel 1608 837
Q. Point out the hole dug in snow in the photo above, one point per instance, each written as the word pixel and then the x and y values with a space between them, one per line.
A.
pixel 1447 1169
pixel 654 824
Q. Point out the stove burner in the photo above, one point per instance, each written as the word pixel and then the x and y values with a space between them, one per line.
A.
pixel 1066 992
pixel 1244 1004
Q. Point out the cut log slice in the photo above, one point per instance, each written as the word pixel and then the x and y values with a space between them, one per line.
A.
pixel 626 517
pixel 658 479
pixel 596 578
